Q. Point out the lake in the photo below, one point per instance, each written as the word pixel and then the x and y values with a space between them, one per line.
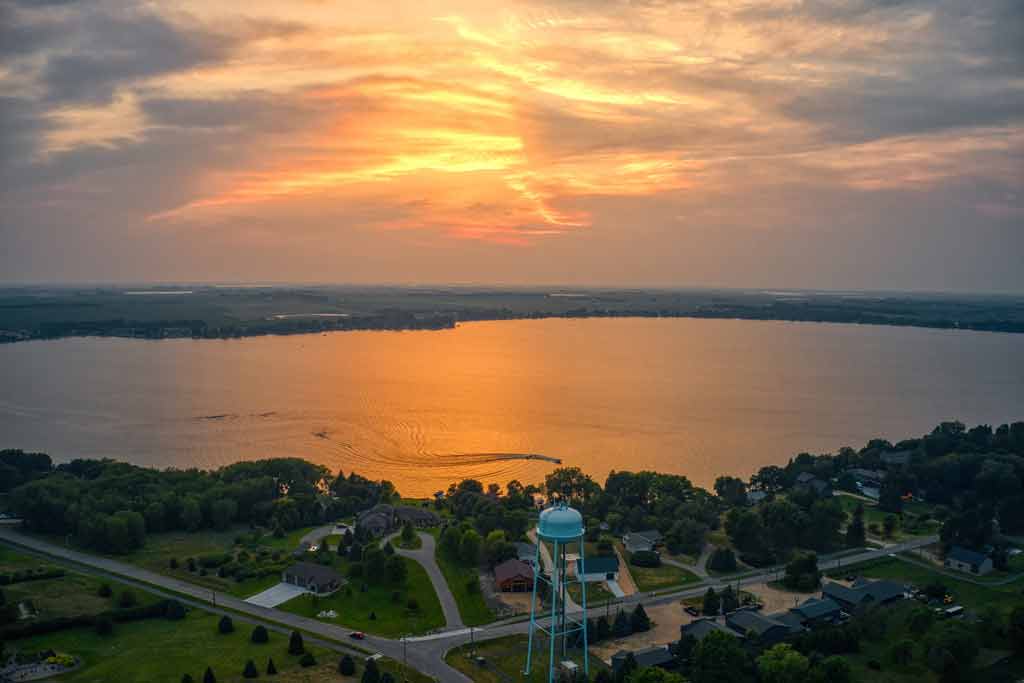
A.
pixel 696 397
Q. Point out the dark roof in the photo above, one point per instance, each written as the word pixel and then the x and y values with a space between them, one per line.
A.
pixel 698 628
pixel 752 622
pixel 805 477
pixel 791 620
pixel 815 608
pixel 601 564
pixel 512 569
pixel 407 512
pixel 317 573
pixel 526 549
pixel 863 591
pixel 961 554
pixel 650 535
pixel 651 656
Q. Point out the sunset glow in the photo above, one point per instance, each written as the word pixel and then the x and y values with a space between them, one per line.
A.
pixel 541 124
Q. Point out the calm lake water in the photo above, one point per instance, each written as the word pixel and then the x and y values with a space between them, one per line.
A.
pixel 697 397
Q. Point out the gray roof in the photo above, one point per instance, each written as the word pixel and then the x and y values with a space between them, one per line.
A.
pixel 602 564
pixel 896 457
pixel 698 628
pixel 651 656
pixel 791 620
pixel 650 535
pixel 317 573
pixel 816 608
pixel 409 513
pixel 752 622
pixel 863 591
pixel 961 554
pixel 526 550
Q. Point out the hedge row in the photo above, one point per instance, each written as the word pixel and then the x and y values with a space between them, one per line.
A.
pixel 30 575
pixel 160 609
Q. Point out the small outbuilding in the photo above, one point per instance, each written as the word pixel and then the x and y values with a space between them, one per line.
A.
pixel 599 568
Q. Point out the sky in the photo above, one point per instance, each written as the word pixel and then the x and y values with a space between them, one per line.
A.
pixel 826 144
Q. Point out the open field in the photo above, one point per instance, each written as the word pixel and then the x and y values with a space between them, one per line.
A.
pixel 656 578
pixel 472 606
pixel 874 517
pixel 392 617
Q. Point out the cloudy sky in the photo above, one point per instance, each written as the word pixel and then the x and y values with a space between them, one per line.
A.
pixel 871 144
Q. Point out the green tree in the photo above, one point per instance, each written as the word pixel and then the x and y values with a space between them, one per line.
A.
pixel 225 625
pixel 729 600
pixel 469 548
pixel 732 490
pixel 408 534
pixel 722 560
pixel 718 658
pixel 902 652
pixel 397 570
pixel 855 534
pixel 834 669
pixel 639 621
pixel 250 670
pixel 127 599
pixel 712 604
pixel 889 525
pixel 1015 628
pixel 802 573
pixel 347 666
pixel 919 620
pixel 375 564
pixel 260 634
pixel 371 672
pixel 295 644
pixel 208 676
pixel 951 649
pixel 271 669
pixel 451 540
pixel 191 514
pixel 222 513
pixel 783 664
pixel 653 674
pixel 621 627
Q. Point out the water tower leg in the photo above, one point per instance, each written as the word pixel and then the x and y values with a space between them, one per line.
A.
pixel 533 608
pixel 552 627
pixel 583 617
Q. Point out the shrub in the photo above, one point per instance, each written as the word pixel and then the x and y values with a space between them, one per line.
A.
pixel 295 645
pixel 104 626
pixel 250 670
pixel 208 677
pixel 645 558
pixel 355 570
pixel 187 678
pixel 722 560
pixel 260 635
pixel 105 591
pixel 191 564
pixel 175 610
pixel 386 677
pixel 307 660
pixel 271 669
pixel 347 666
pixel 225 625
pixel 412 605
pixel 371 673
pixel 396 597
pixel 373 616
pixel 473 586
pixel 173 564
pixel 127 599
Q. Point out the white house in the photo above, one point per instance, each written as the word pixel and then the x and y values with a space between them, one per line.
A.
pixel 969 561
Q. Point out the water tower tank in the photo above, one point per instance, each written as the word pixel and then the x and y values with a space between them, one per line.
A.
pixel 560 523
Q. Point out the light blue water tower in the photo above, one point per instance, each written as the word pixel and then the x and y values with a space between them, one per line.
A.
pixel 559 525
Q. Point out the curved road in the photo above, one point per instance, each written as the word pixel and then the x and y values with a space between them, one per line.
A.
pixel 425 556
pixel 425 653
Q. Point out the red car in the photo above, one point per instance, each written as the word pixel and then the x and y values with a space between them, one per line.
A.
pixel 357 635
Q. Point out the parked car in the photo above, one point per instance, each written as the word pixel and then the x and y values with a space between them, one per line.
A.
pixel 692 611
pixel 357 635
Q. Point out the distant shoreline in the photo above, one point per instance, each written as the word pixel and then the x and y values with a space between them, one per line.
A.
pixel 230 314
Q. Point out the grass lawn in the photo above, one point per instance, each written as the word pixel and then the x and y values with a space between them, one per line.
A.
pixel 69 595
pixel 472 607
pixel 393 618
pixel 874 516
pixel 649 579
pixel 12 561
pixel 504 659
pixel 597 594
pixel 158 651
pixel 415 544
pixel 964 593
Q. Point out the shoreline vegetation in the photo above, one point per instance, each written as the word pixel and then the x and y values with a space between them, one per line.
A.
pixel 209 312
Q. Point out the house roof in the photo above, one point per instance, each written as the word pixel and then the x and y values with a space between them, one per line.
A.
pixel 896 457
pixel 317 573
pixel 407 512
pixel 815 608
pixel 752 622
pixel 838 591
pixel 513 569
pixel 863 591
pixel 805 477
pixel 650 535
pixel 791 620
pixel 961 554
pixel 526 550
pixel 602 564
pixel 698 628
pixel 651 656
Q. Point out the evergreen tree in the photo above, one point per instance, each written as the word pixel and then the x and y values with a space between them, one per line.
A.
pixel 226 625
pixel 408 534
pixel 347 666
pixel 389 549
pixel 729 601
pixel 295 645
pixel 711 603
pixel 208 677
pixel 271 669
pixel 621 627
pixel 250 670
pixel 260 635
pixel 355 552
pixel 386 677
pixel 604 629
pixel 855 536
pixel 371 673
pixel 307 660
pixel 639 621
pixel 187 678
pixel 175 610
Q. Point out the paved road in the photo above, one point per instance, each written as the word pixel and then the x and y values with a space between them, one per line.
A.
pixel 425 556
pixel 425 654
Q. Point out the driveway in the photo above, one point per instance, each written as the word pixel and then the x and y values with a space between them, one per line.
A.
pixel 276 595
pixel 425 556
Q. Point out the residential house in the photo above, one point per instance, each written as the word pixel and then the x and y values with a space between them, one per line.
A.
pixel 316 578
pixel 809 481
pixel 896 458
pixel 513 576
pixel 817 611
pixel 970 561
pixel 378 520
pixel 658 655
pixel 863 593
pixel 638 541
pixel 419 517
pixel 869 478
pixel 755 497
pixel 698 628
pixel 600 568
pixel 762 630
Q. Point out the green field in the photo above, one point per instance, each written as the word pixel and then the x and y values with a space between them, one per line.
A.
pixel 876 517
pixel 472 606
pixel 649 579
pixel 504 659
pixel 393 618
